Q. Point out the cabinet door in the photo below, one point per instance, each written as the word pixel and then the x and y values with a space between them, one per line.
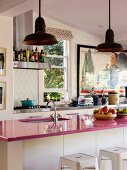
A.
pixel 42 154
pixel 80 143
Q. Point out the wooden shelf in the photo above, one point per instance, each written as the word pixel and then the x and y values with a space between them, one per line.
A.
pixel 31 65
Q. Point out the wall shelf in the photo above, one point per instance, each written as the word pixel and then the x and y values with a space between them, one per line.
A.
pixel 31 65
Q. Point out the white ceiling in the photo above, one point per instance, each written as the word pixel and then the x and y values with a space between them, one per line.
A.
pixel 87 15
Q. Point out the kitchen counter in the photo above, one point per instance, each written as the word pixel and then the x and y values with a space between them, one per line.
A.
pixel 32 128
pixel 65 108
pixel 38 143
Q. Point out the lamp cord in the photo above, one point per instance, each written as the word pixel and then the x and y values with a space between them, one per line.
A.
pixel 39 8
pixel 109 15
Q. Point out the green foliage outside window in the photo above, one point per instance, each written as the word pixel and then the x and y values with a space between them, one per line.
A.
pixel 53 96
pixel 54 77
pixel 54 61
pixel 55 49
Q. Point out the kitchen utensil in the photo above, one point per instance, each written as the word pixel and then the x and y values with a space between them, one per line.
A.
pixel 28 103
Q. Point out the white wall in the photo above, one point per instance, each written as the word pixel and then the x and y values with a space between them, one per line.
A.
pixel 6 39
pixel 25 86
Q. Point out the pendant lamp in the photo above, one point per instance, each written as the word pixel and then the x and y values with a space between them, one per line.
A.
pixel 109 45
pixel 40 37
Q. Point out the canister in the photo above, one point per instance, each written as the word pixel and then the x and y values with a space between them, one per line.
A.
pixel 113 98
pixel 81 101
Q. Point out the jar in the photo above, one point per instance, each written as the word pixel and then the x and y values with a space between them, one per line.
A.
pixel 113 98
pixel 81 101
pixel 88 100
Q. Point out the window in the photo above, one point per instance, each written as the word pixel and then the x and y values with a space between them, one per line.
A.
pixel 55 79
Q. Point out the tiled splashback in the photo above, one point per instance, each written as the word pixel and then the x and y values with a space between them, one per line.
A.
pixel 25 85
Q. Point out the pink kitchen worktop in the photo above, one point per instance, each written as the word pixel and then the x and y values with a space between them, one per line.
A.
pixel 24 129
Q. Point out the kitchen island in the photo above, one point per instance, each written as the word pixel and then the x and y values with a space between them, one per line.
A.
pixel 37 143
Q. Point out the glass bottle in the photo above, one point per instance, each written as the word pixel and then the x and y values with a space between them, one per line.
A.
pixel 27 55
pixel 36 55
pixel 42 56
pixel 32 56
pixel 15 55
pixel 21 55
pixel 24 55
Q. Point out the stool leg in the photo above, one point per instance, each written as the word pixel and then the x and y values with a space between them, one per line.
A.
pixel 114 164
pixel 76 168
pixel 60 165
pixel 120 164
pixel 96 165
pixel 99 160
pixel 90 165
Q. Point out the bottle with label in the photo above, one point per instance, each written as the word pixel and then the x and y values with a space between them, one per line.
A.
pixel 21 55
pixel 42 56
pixel 39 57
pixel 36 55
pixel 15 57
pixel 32 56
pixel 24 55
pixel 27 55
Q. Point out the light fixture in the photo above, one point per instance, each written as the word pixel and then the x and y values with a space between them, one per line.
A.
pixel 40 37
pixel 109 45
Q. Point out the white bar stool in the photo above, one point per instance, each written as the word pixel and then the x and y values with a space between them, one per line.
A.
pixel 79 161
pixel 116 154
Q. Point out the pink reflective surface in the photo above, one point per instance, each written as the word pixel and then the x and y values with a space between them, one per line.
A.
pixel 14 130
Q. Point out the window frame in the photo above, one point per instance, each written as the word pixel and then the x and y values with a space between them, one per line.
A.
pixel 65 66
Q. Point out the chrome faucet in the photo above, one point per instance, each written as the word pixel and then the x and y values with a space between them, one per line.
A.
pixel 55 116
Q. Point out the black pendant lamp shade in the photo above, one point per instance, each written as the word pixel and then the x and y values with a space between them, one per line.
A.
pixel 40 37
pixel 109 45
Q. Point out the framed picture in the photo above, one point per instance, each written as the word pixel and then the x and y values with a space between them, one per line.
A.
pixel 2 95
pixel 97 71
pixel 2 61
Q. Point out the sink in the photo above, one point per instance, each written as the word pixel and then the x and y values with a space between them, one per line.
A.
pixel 37 120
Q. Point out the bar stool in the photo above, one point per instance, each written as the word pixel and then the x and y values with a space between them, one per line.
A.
pixel 116 154
pixel 79 161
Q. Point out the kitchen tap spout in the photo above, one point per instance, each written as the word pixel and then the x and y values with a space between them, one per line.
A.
pixel 55 116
